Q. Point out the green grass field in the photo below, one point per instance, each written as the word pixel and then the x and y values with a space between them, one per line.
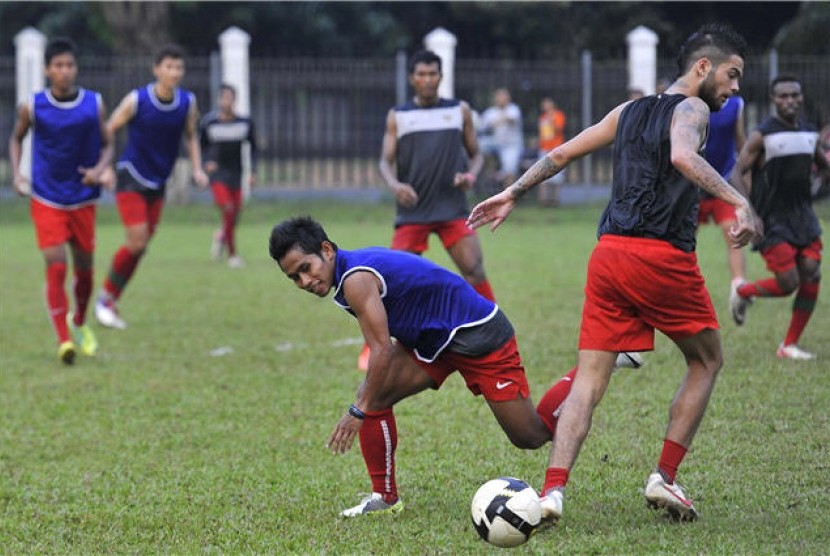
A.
pixel 158 446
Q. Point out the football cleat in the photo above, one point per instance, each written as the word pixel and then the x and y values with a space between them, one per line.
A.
pixel 738 304
pixel 107 314
pixel 373 504
pixel 670 497
pixel 83 336
pixel 66 353
pixel 792 351
pixel 236 262
pixel 628 360
pixel 551 503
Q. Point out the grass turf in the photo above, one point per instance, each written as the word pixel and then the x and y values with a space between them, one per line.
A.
pixel 163 443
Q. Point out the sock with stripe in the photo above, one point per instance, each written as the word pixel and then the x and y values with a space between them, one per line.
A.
pixel 124 264
pixel 762 288
pixel 378 441
pixel 803 305
pixel 548 407
pixel 229 215
pixel 56 302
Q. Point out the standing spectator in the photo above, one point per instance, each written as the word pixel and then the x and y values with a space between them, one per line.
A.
pixel 222 135
pixel 551 134
pixel 157 116
pixel 503 125
pixel 643 273
pixel 71 153
pixel 726 138
pixel 778 157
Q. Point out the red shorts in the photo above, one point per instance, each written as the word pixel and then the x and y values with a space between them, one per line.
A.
pixel 636 285
pixel 224 195
pixel 715 209
pixel 781 257
pixel 498 376
pixel 415 237
pixel 54 226
pixel 139 208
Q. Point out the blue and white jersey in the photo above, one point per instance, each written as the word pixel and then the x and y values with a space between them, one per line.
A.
pixel 426 305
pixel 65 135
pixel 430 152
pixel 153 136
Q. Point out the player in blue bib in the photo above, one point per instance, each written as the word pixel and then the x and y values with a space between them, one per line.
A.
pixel 71 152
pixel 422 323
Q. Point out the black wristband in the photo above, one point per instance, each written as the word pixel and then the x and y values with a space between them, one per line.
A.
pixel 355 412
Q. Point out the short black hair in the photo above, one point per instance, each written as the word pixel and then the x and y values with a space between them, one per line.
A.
pixel 169 51
pixel 715 41
pixel 228 87
pixel 424 57
pixel 57 46
pixel 301 231
pixel 783 78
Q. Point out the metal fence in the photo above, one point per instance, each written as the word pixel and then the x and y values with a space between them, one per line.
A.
pixel 320 122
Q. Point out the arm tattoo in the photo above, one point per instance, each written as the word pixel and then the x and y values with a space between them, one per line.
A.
pixel 540 171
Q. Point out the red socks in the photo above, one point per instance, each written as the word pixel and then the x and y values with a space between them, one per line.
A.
pixel 548 407
pixel 378 440
pixel 124 264
pixel 229 215
pixel 555 477
pixel 484 290
pixel 762 288
pixel 803 305
pixel 83 290
pixel 56 302
pixel 673 454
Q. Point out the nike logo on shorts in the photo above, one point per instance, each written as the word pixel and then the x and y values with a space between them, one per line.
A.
pixel 503 385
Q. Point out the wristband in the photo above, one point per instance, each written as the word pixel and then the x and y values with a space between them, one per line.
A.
pixel 355 412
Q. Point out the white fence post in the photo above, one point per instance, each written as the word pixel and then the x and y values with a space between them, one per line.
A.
pixel 234 43
pixel 30 45
pixel 442 42
pixel 642 59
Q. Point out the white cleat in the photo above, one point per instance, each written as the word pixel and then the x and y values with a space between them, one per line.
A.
pixel 107 314
pixel 552 504
pixel 236 262
pixel 794 352
pixel 628 360
pixel 373 504
pixel 669 497
pixel 737 304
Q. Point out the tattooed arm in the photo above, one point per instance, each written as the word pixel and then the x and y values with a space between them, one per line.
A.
pixel 688 132
pixel 495 210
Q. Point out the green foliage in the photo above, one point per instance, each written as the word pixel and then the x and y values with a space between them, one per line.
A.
pixel 156 446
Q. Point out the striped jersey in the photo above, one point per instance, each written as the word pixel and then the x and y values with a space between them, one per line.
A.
pixel 222 142
pixel 650 198
pixel 781 189
pixel 153 136
pixel 426 305
pixel 430 151
pixel 65 135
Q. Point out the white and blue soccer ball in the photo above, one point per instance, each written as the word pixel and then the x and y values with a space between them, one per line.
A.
pixel 506 511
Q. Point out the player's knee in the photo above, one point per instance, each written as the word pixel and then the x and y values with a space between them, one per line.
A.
pixel 789 284
pixel 529 440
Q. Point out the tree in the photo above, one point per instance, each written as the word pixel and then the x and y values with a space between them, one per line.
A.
pixel 140 27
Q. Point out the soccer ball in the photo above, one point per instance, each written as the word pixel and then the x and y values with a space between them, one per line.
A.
pixel 506 511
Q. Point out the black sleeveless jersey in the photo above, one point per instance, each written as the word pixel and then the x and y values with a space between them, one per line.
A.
pixel 650 198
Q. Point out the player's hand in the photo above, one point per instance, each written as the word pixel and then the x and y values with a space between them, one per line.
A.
pixel 748 227
pixel 91 176
pixel 107 178
pixel 492 211
pixel 344 433
pixel 22 185
pixel 200 178
pixel 464 180
pixel 405 195
pixel 211 166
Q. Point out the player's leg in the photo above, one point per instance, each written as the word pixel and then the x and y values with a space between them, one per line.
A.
pixel 231 219
pixel 734 257
pixel 464 248
pixel 781 261
pixel 82 262
pixel 808 266
pixel 217 248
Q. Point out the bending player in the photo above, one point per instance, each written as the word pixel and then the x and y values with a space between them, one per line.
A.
pixel 441 325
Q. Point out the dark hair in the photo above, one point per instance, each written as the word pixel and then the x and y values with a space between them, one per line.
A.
pixel 424 57
pixel 57 46
pixel 169 51
pixel 228 87
pixel 783 78
pixel 715 41
pixel 301 231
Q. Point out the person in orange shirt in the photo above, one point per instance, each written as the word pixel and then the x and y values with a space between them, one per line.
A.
pixel 551 135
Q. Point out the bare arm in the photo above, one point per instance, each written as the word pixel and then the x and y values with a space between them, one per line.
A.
pixel 97 175
pixel 404 193
pixel 748 158
pixel 123 113
pixel 194 151
pixel 468 179
pixel 21 127
pixel 688 132
pixel 740 127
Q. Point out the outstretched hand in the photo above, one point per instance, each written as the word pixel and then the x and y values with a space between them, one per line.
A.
pixel 344 433
pixel 492 211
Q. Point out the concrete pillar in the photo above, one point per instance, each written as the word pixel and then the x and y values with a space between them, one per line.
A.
pixel 442 42
pixel 586 61
pixel 234 43
pixel 642 59
pixel 30 45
